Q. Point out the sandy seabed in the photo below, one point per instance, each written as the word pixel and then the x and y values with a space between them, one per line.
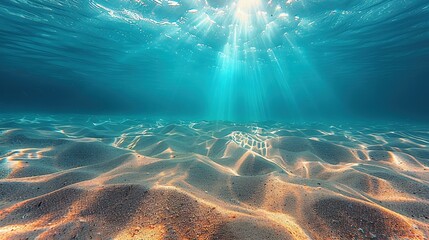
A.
pixel 80 177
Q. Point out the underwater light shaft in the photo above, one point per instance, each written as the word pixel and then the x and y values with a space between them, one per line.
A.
pixel 216 59
pixel 245 8
pixel 249 56
pixel 214 119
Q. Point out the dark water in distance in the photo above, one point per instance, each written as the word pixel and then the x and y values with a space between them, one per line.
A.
pixel 218 60
pixel 214 119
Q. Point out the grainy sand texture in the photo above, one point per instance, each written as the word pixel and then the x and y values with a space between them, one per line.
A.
pixel 80 177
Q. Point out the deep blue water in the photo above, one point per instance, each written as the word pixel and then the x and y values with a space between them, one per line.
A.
pixel 244 60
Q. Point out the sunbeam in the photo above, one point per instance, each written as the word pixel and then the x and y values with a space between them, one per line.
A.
pixel 214 119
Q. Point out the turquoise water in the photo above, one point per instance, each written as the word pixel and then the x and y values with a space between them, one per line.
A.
pixel 214 119
pixel 244 60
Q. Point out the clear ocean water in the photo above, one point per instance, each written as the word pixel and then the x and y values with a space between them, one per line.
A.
pixel 243 60
pixel 214 119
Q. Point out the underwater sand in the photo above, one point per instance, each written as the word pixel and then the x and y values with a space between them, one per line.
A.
pixel 82 177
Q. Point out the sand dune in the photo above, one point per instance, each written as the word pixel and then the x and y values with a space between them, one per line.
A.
pixel 100 178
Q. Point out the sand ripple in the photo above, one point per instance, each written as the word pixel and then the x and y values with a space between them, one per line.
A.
pixel 82 177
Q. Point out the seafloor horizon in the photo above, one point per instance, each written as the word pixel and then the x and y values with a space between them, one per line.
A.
pixel 93 177
pixel 214 119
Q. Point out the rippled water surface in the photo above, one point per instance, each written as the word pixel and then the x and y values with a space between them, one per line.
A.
pixel 217 59
pixel 214 119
